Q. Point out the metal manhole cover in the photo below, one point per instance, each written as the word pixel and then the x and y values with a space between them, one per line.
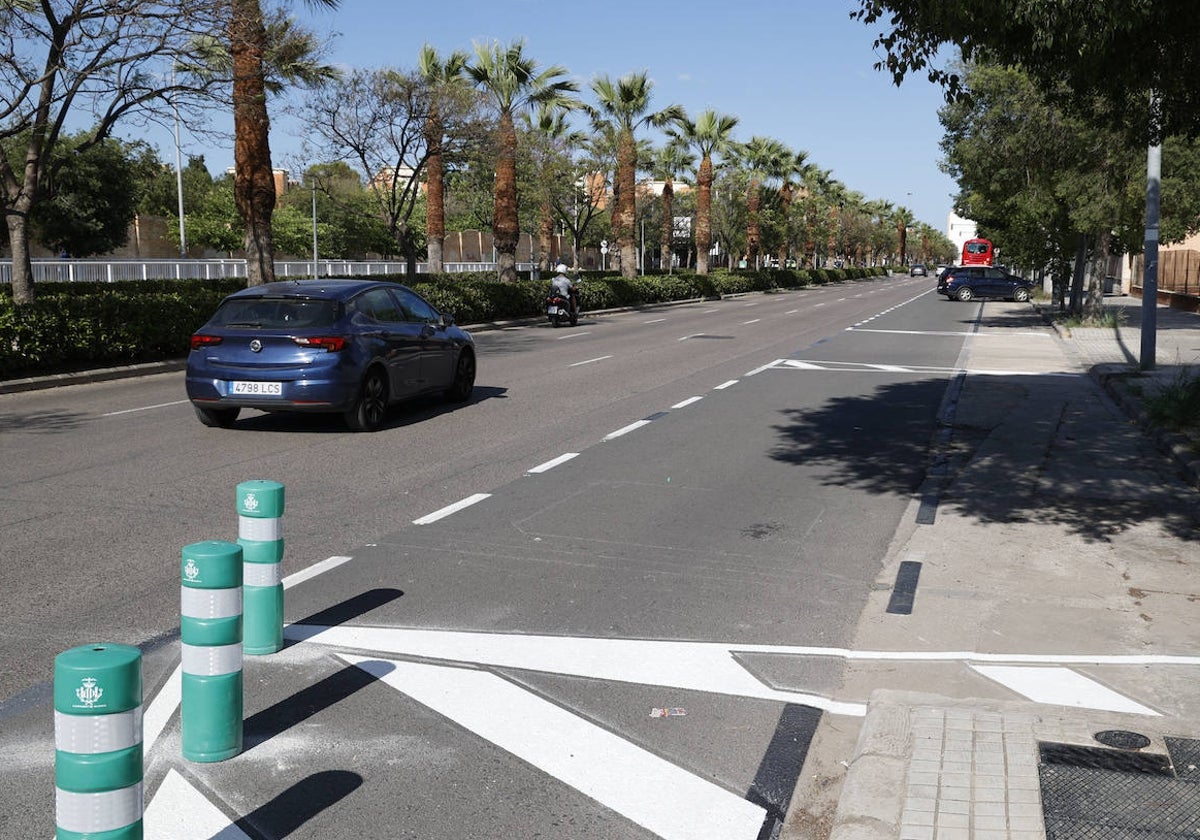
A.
pixel 1122 739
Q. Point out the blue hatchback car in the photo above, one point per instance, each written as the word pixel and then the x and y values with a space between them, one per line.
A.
pixel 330 345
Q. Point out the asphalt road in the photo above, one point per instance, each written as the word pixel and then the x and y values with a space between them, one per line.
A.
pixel 669 477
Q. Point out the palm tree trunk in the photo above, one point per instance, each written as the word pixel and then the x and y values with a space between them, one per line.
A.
pixel 786 194
pixel 505 222
pixel 666 252
pixel 435 194
pixel 753 229
pixel 253 180
pixel 627 201
pixel 704 179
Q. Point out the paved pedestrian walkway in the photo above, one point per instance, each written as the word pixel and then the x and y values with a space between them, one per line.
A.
pixel 1065 539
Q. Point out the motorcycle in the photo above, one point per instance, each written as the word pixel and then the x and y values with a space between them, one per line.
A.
pixel 558 309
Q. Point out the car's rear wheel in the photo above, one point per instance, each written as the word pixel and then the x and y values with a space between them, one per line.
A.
pixel 965 293
pixel 464 378
pixel 217 418
pixel 370 407
pixel 1021 295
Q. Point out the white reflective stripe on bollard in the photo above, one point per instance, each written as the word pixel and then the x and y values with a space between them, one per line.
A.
pixel 93 813
pixel 210 660
pixel 262 574
pixel 210 603
pixel 260 530
pixel 91 734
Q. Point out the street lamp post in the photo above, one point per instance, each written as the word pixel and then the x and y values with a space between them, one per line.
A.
pixel 314 220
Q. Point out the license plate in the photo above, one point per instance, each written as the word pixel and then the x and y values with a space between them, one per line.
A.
pixel 553 310
pixel 256 389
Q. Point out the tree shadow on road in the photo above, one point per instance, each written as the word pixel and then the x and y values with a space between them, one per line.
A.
pixel 1044 449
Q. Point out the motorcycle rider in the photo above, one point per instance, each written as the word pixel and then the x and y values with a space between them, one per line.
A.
pixel 565 287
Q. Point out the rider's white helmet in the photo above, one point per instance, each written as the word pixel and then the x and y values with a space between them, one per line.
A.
pixel 561 268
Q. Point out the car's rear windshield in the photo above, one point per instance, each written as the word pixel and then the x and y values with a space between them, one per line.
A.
pixel 289 313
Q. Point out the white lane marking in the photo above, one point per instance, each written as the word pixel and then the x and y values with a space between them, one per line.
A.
pixel 791 312
pixel 655 321
pixel 573 335
pixel 698 666
pixel 650 791
pixel 624 430
pixel 708 311
pixel 822 303
pixel 314 570
pixel 755 303
pixel 702 666
pixel 554 462
pixel 1022 334
pixel 859 367
pixel 693 335
pixel 725 385
pixel 753 321
pixel 179 810
pixel 589 361
pixel 143 408
pixel 451 509
pixel 767 366
pixel 687 402
pixel 1061 687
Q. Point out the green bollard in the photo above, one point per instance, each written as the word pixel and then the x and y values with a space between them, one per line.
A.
pixel 211 650
pixel 98 743
pixel 260 534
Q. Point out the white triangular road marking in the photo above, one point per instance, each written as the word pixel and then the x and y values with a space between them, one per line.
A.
pixel 650 791
pixel 179 810
pixel 1062 687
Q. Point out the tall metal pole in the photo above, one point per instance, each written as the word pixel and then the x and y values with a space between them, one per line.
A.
pixel 314 215
pixel 1150 268
pixel 179 172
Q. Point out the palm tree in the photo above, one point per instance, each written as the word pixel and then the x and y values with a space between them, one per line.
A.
pixel 253 180
pixel 513 84
pixel 710 134
pixel 903 218
pixel 627 103
pixel 667 162
pixel 764 159
pixel 793 165
pixel 442 75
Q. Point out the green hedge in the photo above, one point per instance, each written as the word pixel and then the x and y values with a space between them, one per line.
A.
pixel 81 325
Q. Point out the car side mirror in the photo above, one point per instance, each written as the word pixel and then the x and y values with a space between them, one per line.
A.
pixel 447 320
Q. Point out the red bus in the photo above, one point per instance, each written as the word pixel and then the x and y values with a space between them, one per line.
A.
pixel 978 252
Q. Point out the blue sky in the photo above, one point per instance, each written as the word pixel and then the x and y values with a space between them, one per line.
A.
pixel 796 70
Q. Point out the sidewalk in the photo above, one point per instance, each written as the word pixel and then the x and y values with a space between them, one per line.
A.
pixel 1062 561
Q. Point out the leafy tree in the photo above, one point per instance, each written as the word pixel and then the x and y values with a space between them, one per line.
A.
pixel 709 134
pixel 513 83
pixel 376 121
pixel 1112 51
pixel 348 226
pixel 627 103
pixel 98 56
pixel 88 203
pixel 550 141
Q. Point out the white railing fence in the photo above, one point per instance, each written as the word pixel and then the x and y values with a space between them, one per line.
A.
pixel 110 271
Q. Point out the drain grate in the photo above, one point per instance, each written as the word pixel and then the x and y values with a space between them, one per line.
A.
pixel 1090 793
pixel 1185 755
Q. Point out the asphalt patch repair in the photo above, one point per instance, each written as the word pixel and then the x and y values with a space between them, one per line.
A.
pixel 1095 793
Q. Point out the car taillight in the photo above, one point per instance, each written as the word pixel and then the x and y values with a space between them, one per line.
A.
pixel 200 341
pixel 329 343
